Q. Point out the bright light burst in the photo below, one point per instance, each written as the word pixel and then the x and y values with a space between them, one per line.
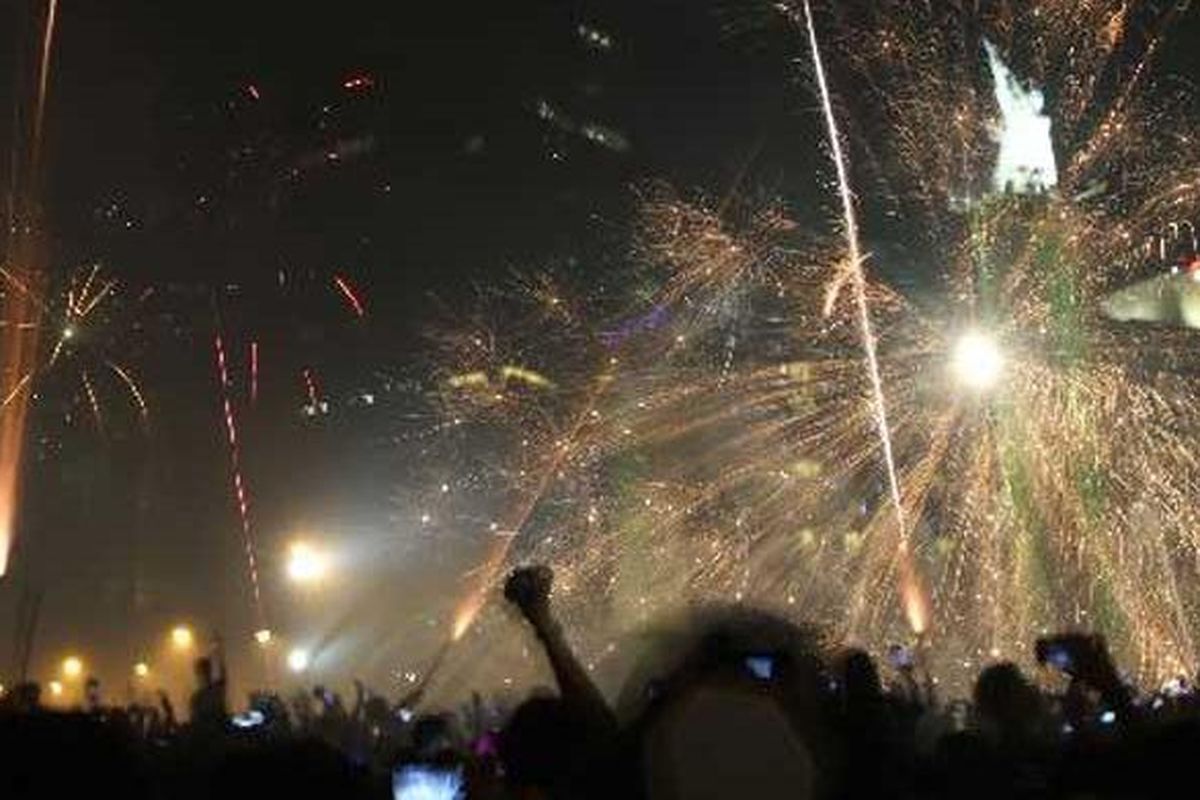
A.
pixel 305 563
pixel 72 667
pixel 719 440
pixel 182 637
pixel 298 659
pixel 977 360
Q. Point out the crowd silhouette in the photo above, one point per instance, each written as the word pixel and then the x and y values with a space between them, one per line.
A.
pixel 748 706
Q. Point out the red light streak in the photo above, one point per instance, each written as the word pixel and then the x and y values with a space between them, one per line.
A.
pixel 239 485
pixel 351 296
pixel 253 373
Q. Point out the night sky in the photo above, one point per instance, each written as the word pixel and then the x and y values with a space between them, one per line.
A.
pixel 189 152
pixel 231 158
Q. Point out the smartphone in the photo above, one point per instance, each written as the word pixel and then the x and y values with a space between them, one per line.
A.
pixel 1059 656
pixel 761 667
pixel 900 657
pixel 1056 653
pixel 251 719
pixel 426 782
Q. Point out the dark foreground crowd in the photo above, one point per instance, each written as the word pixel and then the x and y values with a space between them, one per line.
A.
pixel 749 708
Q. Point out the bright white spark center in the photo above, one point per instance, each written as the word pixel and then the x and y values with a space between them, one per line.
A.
pixel 977 362
pixel 1026 161
pixel 305 563
pixel 297 660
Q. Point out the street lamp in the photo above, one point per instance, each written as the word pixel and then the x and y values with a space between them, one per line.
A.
pixel 72 667
pixel 298 659
pixel 306 564
pixel 182 637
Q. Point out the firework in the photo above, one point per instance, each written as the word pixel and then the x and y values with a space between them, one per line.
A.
pixel 1040 458
pixel 27 253
pixel 239 484
pixel 350 295
pixel 86 319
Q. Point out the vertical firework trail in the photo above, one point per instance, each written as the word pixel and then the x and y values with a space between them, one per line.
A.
pixel 253 373
pixel 18 350
pixel 913 597
pixel 239 485
pixel 43 79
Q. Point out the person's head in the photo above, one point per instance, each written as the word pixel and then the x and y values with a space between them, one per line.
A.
pixel 433 734
pixel 538 744
pixel 1005 702
pixel 858 675
pixel 720 739
pixel 742 703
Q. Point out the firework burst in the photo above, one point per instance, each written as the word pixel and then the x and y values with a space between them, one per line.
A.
pixel 1042 451
pixel 84 322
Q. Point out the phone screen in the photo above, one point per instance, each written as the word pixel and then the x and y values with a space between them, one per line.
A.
pixel 423 782
pixel 761 667
pixel 1058 656
pixel 251 719
pixel 900 657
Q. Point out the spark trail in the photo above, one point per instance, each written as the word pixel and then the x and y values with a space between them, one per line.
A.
pixel 351 296
pixel 914 601
pixel 515 520
pixel 239 486
pixel 19 347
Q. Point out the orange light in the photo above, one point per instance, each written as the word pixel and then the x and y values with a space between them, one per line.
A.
pixel 72 667
pixel 182 637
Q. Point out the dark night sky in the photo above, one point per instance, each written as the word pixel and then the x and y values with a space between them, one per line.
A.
pixel 463 182
pixel 149 109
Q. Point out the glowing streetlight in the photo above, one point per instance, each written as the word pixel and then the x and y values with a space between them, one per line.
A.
pixel 141 669
pixel 72 667
pixel 977 361
pixel 56 688
pixel 263 637
pixel 305 563
pixel 297 660
pixel 182 637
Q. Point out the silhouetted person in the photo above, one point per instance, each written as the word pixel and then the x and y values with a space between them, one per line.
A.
pixel 557 747
pixel 91 695
pixel 529 590
pixel 1011 711
pixel 743 713
pixel 209 709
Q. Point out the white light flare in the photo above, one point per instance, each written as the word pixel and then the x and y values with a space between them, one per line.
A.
pixel 977 361
pixel 306 564
pixel 298 660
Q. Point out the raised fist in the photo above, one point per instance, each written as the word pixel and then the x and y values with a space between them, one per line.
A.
pixel 528 588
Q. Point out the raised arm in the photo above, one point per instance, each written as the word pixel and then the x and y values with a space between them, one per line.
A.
pixel 529 590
